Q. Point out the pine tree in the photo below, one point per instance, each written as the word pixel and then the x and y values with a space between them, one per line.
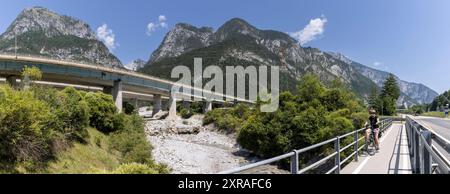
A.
pixel 389 96
pixel 390 88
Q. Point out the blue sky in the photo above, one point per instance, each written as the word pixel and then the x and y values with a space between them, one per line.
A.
pixel 410 38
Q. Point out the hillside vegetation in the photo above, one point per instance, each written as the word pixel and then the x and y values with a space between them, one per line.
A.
pixel 43 130
pixel 315 114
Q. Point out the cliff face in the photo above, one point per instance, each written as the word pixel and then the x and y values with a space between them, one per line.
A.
pixel 40 31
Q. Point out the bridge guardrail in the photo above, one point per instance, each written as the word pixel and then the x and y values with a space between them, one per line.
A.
pixel 425 157
pixel 294 155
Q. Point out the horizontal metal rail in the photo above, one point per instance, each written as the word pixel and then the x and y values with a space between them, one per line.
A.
pixel 264 162
pixel 315 164
pixel 425 156
pixel 294 155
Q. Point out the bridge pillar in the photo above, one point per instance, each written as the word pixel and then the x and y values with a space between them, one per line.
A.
pixel 156 104
pixel 12 80
pixel 117 94
pixel 172 105
pixel 208 106
pixel 136 104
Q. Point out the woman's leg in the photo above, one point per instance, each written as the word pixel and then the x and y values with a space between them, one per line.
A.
pixel 367 134
pixel 376 140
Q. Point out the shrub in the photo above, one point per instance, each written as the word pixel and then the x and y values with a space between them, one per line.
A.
pixel 185 113
pixel 33 73
pixel 102 111
pixel 128 108
pixel 24 127
pixel 228 120
pixel 131 141
pixel 359 119
pixel 72 114
pixel 135 168
pixel 46 94
pixel 197 107
pixel 260 139
pixel 315 114
pixel 212 116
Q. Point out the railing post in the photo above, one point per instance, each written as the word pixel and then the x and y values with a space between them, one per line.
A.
pixel 416 150
pixel 426 155
pixel 356 146
pixel 413 145
pixel 337 160
pixel 294 163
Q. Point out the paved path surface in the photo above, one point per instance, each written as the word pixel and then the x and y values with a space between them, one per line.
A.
pixel 393 157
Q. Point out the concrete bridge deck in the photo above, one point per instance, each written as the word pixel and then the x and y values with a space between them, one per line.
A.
pixel 393 157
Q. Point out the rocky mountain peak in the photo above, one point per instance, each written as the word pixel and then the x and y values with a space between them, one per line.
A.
pixel 236 27
pixel 135 65
pixel 39 19
pixel 182 38
pixel 40 31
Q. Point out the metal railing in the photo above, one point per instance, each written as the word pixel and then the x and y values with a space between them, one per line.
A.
pixel 425 157
pixel 338 162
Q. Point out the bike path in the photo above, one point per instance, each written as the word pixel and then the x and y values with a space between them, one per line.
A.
pixel 393 157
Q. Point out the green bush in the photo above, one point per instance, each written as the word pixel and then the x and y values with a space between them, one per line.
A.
pixel 72 114
pixel 128 108
pixel 315 114
pixel 135 168
pixel 37 124
pixel 102 111
pixel 24 127
pixel 33 73
pixel 185 113
pixel 131 141
pixel 197 107
pixel 257 137
pixel 212 116
pixel 69 108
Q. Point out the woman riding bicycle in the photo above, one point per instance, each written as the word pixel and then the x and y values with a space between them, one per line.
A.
pixel 373 127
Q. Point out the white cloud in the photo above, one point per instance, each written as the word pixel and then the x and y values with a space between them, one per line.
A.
pixel 151 27
pixel 162 18
pixel 314 29
pixel 162 23
pixel 377 64
pixel 107 36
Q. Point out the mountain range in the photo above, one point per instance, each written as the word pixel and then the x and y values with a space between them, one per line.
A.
pixel 239 43
pixel 40 31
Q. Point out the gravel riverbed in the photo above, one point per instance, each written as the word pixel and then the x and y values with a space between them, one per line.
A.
pixel 188 147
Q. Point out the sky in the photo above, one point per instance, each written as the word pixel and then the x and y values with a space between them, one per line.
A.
pixel 410 38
